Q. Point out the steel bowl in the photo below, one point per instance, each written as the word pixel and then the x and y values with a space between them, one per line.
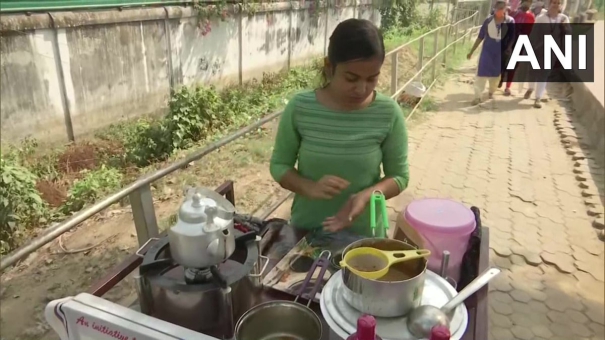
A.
pixel 394 295
pixel 278 320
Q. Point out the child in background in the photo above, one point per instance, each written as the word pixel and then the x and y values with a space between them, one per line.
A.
pixel 494 29
pixel 522 16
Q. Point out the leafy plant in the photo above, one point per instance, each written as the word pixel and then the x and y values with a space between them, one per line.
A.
pixel 20 203
pixel 91 187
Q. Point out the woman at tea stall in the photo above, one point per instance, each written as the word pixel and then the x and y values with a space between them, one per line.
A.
pixel 331 142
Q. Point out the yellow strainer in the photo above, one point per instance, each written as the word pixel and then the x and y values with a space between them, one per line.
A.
pixel 372 264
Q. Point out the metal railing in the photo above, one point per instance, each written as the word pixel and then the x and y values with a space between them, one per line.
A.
pixel 16 6
pixel 139 192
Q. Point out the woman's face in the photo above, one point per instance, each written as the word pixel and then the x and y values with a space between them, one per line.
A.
pixel 355 80
pixel 555 5
pixel 499 11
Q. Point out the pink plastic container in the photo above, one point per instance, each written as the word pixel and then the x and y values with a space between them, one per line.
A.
pixel 440 224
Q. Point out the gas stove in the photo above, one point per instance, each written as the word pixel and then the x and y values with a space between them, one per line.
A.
pixel 174 302
pixel 192 283
pixel 194 298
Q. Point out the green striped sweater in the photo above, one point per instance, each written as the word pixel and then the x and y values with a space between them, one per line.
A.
pixel 348 144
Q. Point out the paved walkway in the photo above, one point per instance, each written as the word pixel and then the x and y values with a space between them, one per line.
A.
pixel 508 159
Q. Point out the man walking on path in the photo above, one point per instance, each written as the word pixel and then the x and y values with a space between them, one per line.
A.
pixel 494 30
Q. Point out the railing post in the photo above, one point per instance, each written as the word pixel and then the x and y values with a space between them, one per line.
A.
pixel 420 58
pixel 455 37
pixel 435 48
pixel 467 33
pixel 143 213
pixel 447 33
pixel 394 62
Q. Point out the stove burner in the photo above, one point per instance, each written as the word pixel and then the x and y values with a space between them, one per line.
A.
pixel 195 276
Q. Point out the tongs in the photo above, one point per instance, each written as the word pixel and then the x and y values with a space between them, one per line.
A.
pixel 378 198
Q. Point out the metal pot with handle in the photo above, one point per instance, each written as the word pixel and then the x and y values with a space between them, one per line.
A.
pixel 281 319
pixel 392 295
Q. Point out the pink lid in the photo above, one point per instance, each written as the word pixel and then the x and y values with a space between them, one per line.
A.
pixel 440 215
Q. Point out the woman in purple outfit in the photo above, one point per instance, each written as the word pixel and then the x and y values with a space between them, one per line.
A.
pixel 495 29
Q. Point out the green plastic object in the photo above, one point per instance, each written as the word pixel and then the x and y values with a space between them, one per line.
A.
pixel 378 200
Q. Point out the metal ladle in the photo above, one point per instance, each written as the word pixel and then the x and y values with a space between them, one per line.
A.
pixel 422 319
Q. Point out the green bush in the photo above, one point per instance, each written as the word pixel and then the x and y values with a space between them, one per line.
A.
pixel 91 187
pixel 198 112
pixel 20 203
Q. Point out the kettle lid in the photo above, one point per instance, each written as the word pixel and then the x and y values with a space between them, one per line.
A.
pixel 193 210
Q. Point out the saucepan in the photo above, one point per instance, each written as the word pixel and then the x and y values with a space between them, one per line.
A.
pixel 281 319
pixel 392 295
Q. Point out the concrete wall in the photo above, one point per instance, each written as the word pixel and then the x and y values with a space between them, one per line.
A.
pixel 75 72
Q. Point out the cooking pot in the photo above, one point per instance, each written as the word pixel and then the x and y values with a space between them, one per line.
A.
pixel 393 295
pixel 278 320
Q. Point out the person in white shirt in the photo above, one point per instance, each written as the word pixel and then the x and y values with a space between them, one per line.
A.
pixel 558 24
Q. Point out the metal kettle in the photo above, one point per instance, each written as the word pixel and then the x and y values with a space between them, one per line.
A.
pixel 203 235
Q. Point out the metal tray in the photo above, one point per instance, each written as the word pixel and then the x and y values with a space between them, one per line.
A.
pixel 342 318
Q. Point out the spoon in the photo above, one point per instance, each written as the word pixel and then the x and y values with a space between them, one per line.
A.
pixel 371 263
pixel 422 319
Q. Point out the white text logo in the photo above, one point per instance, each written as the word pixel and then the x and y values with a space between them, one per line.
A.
pixel 550 47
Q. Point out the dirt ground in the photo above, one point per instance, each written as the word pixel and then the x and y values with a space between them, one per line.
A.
pixel 70 264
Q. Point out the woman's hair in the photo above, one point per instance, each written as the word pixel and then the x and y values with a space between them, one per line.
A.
pixel 354 39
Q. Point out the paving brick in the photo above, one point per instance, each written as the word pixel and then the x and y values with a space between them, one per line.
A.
pixel 541 331
pixel 580 330
pixel 500 307
pixel 562 301
pixel 500 261
pixel 501 283
pixel 597 329
pixel 590 288
pixel 501 297
pixel 557 317
pixel 500 320
pixel 501 247
pixel 523 333
pixel 595 313
pixel 563 262
pixel 576 316
pixel 499 333
pixel 562 330
pixel 530 256
pixel 520 296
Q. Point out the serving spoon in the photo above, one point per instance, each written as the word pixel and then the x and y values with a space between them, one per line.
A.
pixel 423 318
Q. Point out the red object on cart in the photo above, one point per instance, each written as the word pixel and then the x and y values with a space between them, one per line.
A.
pixel 440 333
pixel 366 329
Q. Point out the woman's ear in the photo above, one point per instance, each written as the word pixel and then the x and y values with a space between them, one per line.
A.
pixel 328 69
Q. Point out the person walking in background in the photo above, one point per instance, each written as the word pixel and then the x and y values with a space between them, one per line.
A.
pixel 494 29
pixel 556 24
pixel 524 19
pixel 538 8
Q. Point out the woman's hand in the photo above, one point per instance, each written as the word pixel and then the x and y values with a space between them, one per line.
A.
pixel 326 188
pixel 348 213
